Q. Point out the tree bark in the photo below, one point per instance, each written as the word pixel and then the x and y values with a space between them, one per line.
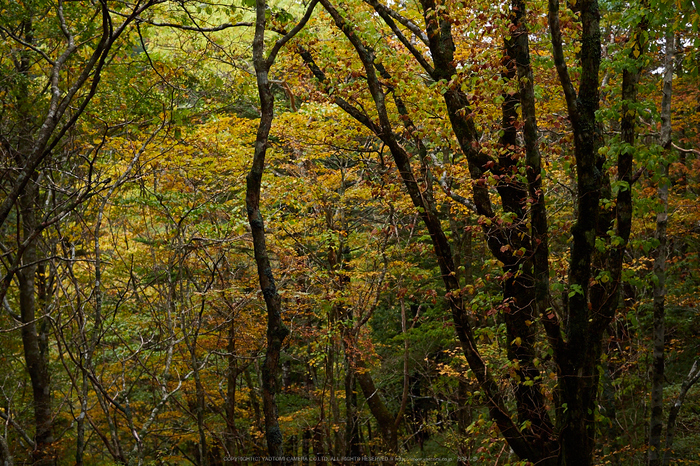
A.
pixel 654 456
pixel 35 341
pixel 276 329
pixel 233 371
pixel 5 454
pixel 578 376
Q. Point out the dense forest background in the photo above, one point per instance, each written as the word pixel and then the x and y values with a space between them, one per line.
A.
pixel 448 229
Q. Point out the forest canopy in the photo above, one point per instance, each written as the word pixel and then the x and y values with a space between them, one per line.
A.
pixel 358 232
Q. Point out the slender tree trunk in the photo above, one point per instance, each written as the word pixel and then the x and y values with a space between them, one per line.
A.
pixel 35 342
pixel 658 337
pixel 80 440
pixel 276 329
pixel 305 447
pixel 5 455
pixel 690 380
pixel 654 455
pixel 420 191
pixel 525 290
pixel 232 434
pixel 317 442
pixel 34 339
pixel 254 402
pixel 203 446
pixel 577 362
pixel 385 419
pixel 352 419
pixel 333 440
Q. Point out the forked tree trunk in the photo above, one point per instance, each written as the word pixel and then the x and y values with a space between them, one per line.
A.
pixel 276 330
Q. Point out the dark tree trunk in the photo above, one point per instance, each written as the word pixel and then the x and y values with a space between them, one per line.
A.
pixel 35 341
pixel 590 307
pixel 232 436
pixel 33 331
pixel 578 377
pixel 305 446
pixel 577 340
pixel 441 48
pixel 71 84
pixel 317 443
pixel 254 401
pixel 276 330
pixel 385 419
pixel 352 418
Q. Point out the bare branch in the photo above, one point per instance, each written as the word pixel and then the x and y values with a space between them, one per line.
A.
pixel 18 428
pixel 407 23
pixel 686 151
pixel 690 380
pixel 29 45
pixel 182 27
pixel 559 61
pixel 295 30
pixel 466 202
pixel 387 14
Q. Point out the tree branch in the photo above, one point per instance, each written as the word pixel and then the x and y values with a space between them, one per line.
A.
pixel 559 61
pixel 387 14
pixel 295 30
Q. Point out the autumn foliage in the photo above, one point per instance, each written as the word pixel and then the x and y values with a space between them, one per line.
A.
pixel 441 229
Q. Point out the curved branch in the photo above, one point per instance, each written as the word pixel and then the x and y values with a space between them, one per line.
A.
pixel 182 27
pixel 288 36
pixel 407 23
pixel 559 61
pixel 387 15
pixel 351 110
pixel 443 253
pixel 28 45
pixel 57 107
pixel 18 428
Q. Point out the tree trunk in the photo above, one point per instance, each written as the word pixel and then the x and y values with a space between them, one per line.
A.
pixel 689 381
pixel 233 371
pixel 352 418
pixel 276 329
pixel 578 376
pixel 385 420
pixel 35 342
pixel 5 455
pixel 203 446
pixel 658 365
pixel 254 402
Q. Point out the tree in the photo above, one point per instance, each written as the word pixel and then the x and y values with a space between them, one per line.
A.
pixel 440 210
pixel 50 77
pixel 276 330
pixel 518 236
